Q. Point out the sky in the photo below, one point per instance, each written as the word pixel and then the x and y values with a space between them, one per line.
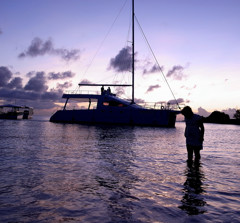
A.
pixel 47 47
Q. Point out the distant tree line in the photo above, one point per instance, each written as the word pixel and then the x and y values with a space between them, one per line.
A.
pixel 222 118
pixel 237 114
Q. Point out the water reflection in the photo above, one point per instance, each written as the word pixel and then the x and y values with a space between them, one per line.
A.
pixel 115 176
pixel 193 199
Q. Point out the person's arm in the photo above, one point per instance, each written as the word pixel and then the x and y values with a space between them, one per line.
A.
pixel 201 127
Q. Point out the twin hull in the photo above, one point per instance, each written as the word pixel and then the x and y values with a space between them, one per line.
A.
pixel 142 117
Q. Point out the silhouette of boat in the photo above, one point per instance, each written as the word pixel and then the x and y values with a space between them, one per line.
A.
pixel 111 109
pixel 15 112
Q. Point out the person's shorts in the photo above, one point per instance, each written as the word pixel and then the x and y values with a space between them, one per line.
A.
pixel 190 147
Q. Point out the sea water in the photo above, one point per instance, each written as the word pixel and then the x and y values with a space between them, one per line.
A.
pixel 78 173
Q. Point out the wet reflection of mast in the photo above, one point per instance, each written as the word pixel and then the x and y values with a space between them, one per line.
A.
pixel 193 200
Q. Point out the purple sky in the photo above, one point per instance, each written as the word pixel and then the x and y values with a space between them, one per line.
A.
pixel 49 46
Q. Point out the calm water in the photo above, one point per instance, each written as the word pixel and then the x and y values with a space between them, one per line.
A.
pixel 75 173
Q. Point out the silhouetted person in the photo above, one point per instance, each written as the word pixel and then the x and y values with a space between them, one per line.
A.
pixel 194 133
pixel 102 89
pixel 108 90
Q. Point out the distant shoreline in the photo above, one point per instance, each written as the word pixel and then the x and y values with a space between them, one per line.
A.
pixel 229 122
pixel 225 122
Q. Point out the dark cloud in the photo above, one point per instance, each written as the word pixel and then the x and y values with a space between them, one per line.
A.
pixel 63 75
pixel 39 48
pixel 154 69
pixel 7 93
pixel 15 83
pixel 51 95
pixel 152 87
pixel 1 31
pixel 36 100
pixel 5 76
pixel 174 102
pixel 34 93
pixel 67 55
pixel 123 61
pixel 30 74
pixel 64 85
pixel 85 81
pixel 176 72
pixel 37 83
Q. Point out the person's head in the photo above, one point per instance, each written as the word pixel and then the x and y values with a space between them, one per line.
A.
pixel 187 112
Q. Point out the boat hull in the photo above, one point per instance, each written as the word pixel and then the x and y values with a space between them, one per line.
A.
pixel 141 117
pixel 10 115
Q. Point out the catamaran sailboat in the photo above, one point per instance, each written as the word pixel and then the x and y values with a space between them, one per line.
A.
pixel 111 109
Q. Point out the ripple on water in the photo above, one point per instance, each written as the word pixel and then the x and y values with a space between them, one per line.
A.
pixel 59 173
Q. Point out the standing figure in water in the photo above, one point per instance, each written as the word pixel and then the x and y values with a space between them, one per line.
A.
pixel 194 133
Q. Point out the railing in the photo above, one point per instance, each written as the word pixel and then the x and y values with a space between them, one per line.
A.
pixel 147 105
pixel 160 105
pixel 81 92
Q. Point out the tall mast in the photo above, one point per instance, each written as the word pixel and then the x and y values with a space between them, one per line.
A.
pixel 133 51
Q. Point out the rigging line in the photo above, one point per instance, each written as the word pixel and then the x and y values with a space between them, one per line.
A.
pixel 156 61
pixel 104 39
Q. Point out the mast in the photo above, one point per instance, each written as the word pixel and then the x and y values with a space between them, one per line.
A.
pixel 133 68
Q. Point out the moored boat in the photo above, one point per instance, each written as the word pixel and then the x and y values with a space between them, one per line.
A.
pixel 9 111
pixel 110 109
pixel 107 108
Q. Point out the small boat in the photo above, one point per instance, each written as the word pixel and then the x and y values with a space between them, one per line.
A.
pixel 15 112
pixel 105 107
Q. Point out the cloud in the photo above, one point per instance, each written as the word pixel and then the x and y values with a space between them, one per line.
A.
pixel 51 95
pixel 35 93
pixel 139 100
pixel 174 102
pixel 15 83
pixel 203 112
pixel 85 81
pixel 230 112
pixel 154 69
pixel 176 72
pixel 37 83
pixel 64 85
pixel 40 48
pixel 189 88
pixel 36 100
pixel 123 60
pixel 63 75
pixel 1 32
pixel 67 55
pixel 152 87
pixel 119 91
pixel 5 76
pixel 30 74
pixel 18 94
